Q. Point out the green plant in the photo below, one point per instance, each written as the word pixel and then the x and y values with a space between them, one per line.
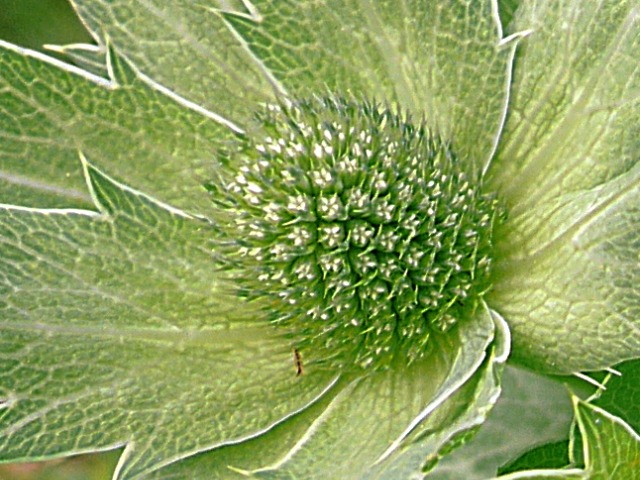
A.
pixel 301 239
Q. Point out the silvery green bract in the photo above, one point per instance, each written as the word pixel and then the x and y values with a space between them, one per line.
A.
pixel 118 326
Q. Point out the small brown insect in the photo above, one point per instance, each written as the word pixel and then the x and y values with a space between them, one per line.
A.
pixel 297 359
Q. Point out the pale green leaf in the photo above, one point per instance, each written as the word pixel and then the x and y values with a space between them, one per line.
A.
pixel 568 170
pixel 185 46
pixel 458 420
pixel 240 53
pixel 116 331
pixel 573 118
pixel 444 61
pixel 49 110
pixel 611 446
pixel 382 425
pixel 578 306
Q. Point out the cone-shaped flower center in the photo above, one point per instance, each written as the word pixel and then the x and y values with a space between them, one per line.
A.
pixel 358 231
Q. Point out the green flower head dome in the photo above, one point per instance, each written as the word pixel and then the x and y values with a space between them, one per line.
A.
pixel 355 228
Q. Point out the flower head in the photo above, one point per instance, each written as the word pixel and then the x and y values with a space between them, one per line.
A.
pixel 359 231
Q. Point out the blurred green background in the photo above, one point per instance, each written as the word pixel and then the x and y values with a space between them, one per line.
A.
pixel 33 23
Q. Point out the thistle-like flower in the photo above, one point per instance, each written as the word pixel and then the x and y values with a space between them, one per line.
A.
pixel 303 238
pixel 360 232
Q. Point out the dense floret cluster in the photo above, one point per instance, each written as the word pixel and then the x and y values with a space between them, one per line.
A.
pixel 358 230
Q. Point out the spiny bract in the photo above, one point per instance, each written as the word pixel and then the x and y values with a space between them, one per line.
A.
pixel 354 228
